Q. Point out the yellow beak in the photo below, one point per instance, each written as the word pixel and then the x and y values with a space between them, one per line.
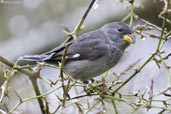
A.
pixel 129 38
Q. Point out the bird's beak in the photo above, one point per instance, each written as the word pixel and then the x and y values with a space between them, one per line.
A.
pixel 129 38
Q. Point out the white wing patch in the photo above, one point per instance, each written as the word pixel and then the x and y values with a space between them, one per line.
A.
pixel 76 55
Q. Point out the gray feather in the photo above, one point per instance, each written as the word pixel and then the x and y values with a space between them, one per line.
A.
pixel 36 57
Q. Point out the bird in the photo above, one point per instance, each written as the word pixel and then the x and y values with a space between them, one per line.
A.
pixel 91 53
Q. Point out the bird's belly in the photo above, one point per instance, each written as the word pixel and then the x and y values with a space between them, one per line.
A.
pixel 87 69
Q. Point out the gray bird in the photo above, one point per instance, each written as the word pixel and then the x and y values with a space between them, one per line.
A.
pixel 92 53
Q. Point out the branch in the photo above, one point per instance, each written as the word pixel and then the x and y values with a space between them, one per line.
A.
pixel 80 23
pixel 11 64
pixel 31 74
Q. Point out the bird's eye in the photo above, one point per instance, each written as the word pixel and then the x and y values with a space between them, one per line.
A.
pixel 120 30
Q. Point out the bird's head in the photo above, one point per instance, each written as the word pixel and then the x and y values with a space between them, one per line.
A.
pixel 119 33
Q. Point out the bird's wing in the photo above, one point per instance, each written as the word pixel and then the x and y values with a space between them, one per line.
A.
pixel 58 49
pixel 88 46
pixel 92 45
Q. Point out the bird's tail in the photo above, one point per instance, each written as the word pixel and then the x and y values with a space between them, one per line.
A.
pixel 39 58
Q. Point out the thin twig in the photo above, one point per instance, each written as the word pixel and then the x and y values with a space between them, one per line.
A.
pixel 63 60
pixel 134 74
pixel 80 23
pixel 31 74
pixel 132 12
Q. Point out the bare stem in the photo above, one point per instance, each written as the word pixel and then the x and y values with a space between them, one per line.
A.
pixel 80 23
